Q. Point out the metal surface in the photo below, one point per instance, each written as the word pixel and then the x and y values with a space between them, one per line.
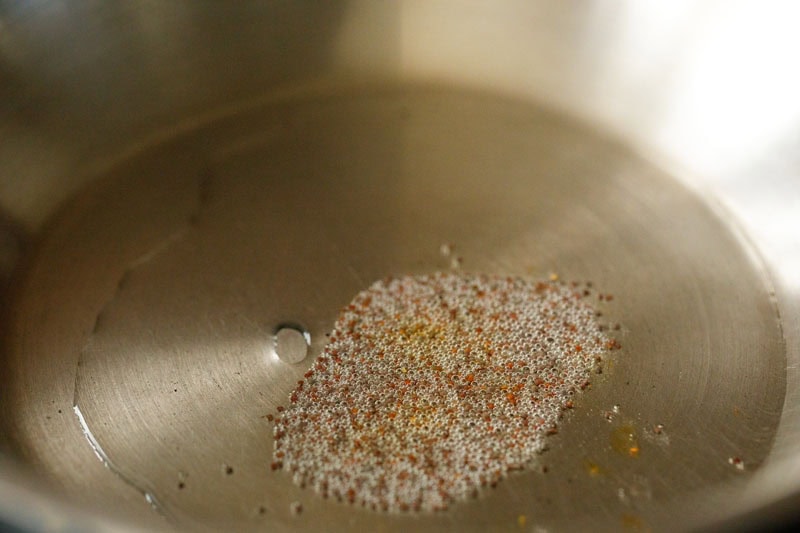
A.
pixel 216 193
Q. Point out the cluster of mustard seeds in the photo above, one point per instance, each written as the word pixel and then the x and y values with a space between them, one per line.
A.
pixel 433 386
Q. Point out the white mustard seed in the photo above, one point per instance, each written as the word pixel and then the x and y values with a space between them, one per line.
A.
pixel 433 386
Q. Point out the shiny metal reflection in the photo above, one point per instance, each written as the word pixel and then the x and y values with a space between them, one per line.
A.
pixel 155 95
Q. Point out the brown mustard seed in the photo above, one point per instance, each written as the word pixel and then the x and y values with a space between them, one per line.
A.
pixel 433 386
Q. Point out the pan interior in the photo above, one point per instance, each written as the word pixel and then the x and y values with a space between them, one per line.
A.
pixel 153 299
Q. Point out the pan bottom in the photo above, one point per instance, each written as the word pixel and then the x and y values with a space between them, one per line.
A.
pixel 151 304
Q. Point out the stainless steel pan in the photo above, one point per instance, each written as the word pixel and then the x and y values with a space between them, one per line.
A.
pixel 179 179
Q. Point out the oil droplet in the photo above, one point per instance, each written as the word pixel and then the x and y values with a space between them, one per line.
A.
pixel 521 520
pixel 291 344
pixel 149 497
pixel 624 440
pixel 631 521
pixel 592 468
